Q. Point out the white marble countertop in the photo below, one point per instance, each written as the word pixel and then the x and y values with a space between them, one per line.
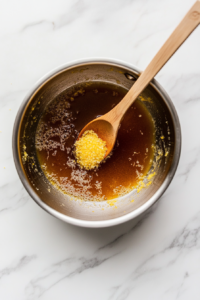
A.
pixel 42 257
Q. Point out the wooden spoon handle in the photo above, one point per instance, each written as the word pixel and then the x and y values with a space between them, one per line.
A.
pixel 180 34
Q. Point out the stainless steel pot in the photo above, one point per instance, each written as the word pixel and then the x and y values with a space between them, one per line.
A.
pixel 87 213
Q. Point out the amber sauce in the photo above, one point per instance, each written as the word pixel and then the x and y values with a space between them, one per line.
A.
pixel 59 127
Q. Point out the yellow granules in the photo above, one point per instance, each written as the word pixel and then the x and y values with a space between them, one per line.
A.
pixel 90 150
pixel 112 202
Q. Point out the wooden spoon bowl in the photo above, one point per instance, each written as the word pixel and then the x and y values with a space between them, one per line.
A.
pixel 104 130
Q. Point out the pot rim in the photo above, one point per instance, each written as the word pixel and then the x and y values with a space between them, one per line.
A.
pixel 124 218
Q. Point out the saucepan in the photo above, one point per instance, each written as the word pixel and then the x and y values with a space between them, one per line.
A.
pixel 94 213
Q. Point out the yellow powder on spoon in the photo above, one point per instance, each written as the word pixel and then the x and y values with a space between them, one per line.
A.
pixel 90 150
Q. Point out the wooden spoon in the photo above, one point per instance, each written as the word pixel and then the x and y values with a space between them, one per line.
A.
pixel 107 125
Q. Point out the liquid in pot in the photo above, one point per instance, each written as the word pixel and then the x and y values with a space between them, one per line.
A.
pixel 58 129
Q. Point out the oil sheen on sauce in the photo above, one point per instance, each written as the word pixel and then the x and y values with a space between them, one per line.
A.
pixel 58 130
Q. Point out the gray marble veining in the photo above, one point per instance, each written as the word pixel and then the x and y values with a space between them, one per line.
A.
pixel 44 258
